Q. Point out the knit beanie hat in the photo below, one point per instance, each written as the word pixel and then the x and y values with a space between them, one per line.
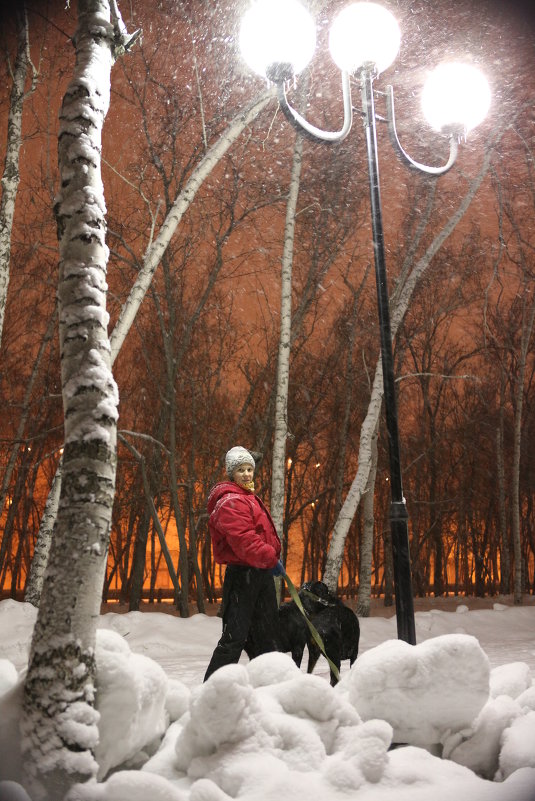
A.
pixel 235 457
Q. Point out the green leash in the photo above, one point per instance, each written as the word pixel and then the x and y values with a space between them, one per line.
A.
pixel 315 636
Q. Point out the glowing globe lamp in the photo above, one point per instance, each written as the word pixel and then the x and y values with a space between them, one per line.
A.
pixel 456 98
pixel 277 38
pixel 364 33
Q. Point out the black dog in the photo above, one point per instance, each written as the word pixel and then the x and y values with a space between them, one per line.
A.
pixel 336 624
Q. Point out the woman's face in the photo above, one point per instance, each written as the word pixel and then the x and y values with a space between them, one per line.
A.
pixel 243 475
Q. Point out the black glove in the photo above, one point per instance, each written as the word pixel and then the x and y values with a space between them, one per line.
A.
pixel 278 570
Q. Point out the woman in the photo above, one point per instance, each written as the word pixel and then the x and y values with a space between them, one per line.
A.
pixel 244 538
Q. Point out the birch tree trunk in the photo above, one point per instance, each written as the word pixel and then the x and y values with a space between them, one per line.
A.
pixel 283 364
pixel 139 289
pixel 399 307
pixel 59 722
pixel 10 177
pixel 366 545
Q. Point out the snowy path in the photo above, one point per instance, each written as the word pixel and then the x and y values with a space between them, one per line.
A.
pixel 506 634
pixel 183 646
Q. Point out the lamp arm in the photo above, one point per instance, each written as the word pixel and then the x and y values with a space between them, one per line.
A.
pixel 454 147
pixel 310 130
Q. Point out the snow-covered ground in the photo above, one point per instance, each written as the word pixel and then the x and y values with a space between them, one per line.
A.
pixel 462 701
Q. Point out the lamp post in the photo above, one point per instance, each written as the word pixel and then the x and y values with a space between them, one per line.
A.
pixel 277 39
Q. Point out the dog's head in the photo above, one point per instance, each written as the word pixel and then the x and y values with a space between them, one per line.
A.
pixel 315 595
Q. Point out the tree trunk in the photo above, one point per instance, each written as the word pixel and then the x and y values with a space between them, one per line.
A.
pixel 283 364
pixel 505 557
pixel 11 177
pixel 527 328
pixel 34 584
pixel 349 379
pixel 139 561
pixel 59 723
pixel 366 545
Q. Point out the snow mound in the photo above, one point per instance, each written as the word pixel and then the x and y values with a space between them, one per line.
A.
pixel 518 746
pixel 526 700
pixel 423 690
pixel 131 695
pixel 246 729
pixel 128 785
pixel 478 748
pixel 512 679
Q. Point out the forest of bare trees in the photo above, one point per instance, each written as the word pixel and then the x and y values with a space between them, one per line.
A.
pixel 201 184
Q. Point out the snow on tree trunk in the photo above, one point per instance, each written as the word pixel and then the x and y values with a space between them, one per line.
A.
pixel 399 308
pixel 34 585
pixel 59 723
pixel 283 364
pixel 10 177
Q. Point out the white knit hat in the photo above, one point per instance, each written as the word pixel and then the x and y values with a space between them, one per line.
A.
pixel 235 457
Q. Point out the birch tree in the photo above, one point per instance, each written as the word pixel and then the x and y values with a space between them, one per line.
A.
pixel 283 363
pixel 59 722
pixel 11 176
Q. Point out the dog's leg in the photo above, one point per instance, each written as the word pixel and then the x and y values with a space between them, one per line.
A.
pixel 336 663
pixel 313 656
pixel 297 654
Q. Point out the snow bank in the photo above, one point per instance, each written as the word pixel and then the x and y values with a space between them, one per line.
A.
pixel 424 690
pixel 131 693
pixel 135 700
pixel 269 725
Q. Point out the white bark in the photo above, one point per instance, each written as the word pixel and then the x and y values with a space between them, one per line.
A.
pixel 59 723
pixel 10 177
pixel 366 545
pixel 399 308
pixel 34 585
pixel 283 364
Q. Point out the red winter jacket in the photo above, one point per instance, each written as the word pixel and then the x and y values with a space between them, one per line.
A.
pixel 241 528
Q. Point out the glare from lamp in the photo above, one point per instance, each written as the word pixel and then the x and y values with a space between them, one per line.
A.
pixel 456 97
pixel 277 32
pixel 364 33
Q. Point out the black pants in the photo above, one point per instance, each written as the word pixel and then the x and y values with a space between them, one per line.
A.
pixel 250 616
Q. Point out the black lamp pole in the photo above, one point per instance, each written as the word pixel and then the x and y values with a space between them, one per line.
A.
pixel 280 73
pixel 398 509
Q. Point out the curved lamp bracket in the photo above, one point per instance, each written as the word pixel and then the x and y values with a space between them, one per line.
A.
pixel 309 130
pixel 454 147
